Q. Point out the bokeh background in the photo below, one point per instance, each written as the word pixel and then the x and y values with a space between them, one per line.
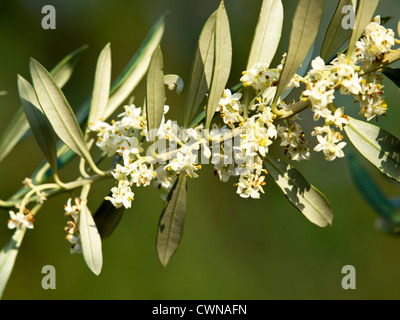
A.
pixel 232 248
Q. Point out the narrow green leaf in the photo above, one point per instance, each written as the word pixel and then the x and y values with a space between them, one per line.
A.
pixel 170 227
pixel 378 146
pixel 107 217
pixel 393 74
pixel 370 191
pixel 57 109
pixel 365 11
pixel 101 88
pixel 307 199
pixel 335 35
pixel 19 126
pixel 90 241
pixel 202 69
pixel 120 90
pixel 8 256
pixel 293 93
pixel 136 68
pixel 223 62
pixel 305 27
pixel 268 33
pixel 155 94
pixel 62 72
pixel 385 20
pixel 40 126
pixel 3 92
pixel 174 83
pixel 14 132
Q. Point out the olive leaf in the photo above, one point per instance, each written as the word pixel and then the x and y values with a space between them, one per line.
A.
pixel 378 146
pixel 101 87
pixel 306 198
pixel 170 227
pixel 305 27
pixel 136 68
pixel 393 74
pixel 120 90
pixel 365 11
pixel 7 258
pixel 40 126
pixel 90 241
pixel 15 131
pixel 174 83
pixel 107 217
pixel 155 94
pixel 268 33
pixel 293 93
pixel 19 126
pixel 370 191
pixel 202 70
pixel 58 111
pixel 222 62
pixel 335 35
pixel 62 72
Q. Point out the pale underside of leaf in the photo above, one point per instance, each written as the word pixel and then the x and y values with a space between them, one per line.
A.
pixel 378 146
pixel 299 192
pixel 202 69
pixel 8 256
pixel 155 94
pixel 222 64
pixel 136 68
pixel 123 86
pixel 335 35
pixel 305 27
pixel 40 126
pixel 57 110
pixel 172 220
pixel 267 34
pixel 365 11
pixel 174 83
pixel 90 241
pixel 120 91
pixel 19 126
pixel 101 88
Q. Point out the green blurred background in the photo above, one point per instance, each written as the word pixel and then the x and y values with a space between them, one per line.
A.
pixel 232 248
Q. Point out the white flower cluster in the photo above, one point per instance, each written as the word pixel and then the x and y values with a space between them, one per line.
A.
pixel 293 139
pixel 72 229
pixel 20 220
pixel 125 138
pixel 177 150
pixel 256 134
pixel 376 42
pixel 343 73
